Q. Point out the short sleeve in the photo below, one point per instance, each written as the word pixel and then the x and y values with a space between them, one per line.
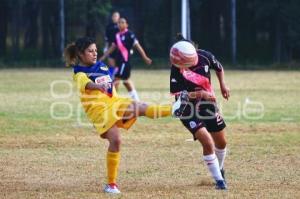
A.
pixel 214 63
pixel 81 80
pixel 134 39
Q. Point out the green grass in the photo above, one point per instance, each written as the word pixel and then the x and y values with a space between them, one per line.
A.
pixel 42 157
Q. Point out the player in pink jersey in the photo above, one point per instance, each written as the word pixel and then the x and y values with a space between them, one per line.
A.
pixel 124 42
pixel 191 84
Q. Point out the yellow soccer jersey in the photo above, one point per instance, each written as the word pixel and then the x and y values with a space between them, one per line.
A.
pixel 103 109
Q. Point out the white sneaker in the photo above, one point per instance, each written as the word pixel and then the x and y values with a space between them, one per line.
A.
pixel 111 188
pixel 180 104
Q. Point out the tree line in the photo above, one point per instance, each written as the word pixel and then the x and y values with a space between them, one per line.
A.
pixel 267 31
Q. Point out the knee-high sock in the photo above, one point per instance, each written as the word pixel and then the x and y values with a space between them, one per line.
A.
pixel 213 166
pixel 112 161
pixel 221 154
pixel 156 111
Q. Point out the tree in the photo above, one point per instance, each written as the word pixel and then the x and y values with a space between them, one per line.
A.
pixel 139 9
pixel 280 19
pixel 62 25
pixel 31 12
pixel 233 31
pixel 3 26
pixel 174 18
pixel 16 28
pixel 97 11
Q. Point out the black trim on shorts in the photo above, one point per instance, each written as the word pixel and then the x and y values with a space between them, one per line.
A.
pixel 202 114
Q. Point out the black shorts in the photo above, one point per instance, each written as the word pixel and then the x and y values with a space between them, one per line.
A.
pixel 202 114
pixel 124 70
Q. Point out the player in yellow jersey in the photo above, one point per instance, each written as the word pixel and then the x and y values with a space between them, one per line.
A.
pixel 105 109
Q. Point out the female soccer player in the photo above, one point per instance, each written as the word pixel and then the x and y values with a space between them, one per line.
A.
pixel 110 32
pixel 105 109
pixel 125 40
pixel 190 77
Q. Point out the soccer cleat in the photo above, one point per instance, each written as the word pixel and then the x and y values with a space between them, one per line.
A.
pixel 221 185
pixel 180 104
pixel 111 188
pixel 223 173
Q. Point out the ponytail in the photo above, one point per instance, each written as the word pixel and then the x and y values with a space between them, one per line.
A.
pixel 70 54
pixel 180 37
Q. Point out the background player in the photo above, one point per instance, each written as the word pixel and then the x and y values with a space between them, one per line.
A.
pixel 190 77
pixel 124 41
pixel 110 33
pixel 105 109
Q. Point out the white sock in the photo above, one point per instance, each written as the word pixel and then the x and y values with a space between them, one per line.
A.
pixel 221 154
pixel 133 94
pixel 213 166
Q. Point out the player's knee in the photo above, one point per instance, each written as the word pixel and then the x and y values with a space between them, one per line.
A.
pixel 208 147
pixel 141 109
pixel 222 144
pixel 125 82
pixel 116 82
pixel 115 142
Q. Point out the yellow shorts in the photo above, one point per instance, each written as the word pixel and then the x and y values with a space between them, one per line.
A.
pixel 106 113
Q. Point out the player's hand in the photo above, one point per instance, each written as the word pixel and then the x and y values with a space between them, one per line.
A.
pixel 105 86
pixel 104 83
pixel 208 96
pixel 225 92
pixel 147 60
pixel 105 49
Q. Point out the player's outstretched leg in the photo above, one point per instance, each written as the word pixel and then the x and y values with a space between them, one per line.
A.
pixel 153 111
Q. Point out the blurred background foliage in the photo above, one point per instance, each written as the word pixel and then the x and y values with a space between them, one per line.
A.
pixel 268 32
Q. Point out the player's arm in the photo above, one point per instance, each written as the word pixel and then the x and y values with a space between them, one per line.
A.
pixel 94 86
pixel 106 44
pixel 224 89
pixel 202 94
pixel 105 47
pixel 83 83
pixel 217 66
pixel 108 52
pixel 142 53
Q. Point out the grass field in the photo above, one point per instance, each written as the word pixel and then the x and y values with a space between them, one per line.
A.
pixel 47 150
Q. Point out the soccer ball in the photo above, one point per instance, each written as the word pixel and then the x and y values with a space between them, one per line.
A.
pixel 183 54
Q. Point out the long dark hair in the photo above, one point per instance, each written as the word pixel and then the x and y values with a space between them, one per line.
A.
pixel 71 52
